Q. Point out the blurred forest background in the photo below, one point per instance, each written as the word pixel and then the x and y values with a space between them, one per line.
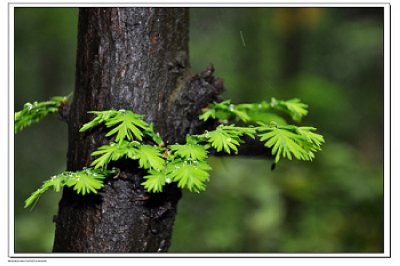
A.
pixel 330 58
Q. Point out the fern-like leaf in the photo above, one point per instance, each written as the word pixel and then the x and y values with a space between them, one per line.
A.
pixel 224 110
pixel 189 173
pixel 190 151
pixel 33 112
pixel 150 157
pixel 84 181
pixel 128 125
pixel 291 140
pixel 312 137
pixel 101 116
pixel 108 155
pixel 285 143
pixel 293 107
pixel 222 140
pixel 155 181
pixel 207 114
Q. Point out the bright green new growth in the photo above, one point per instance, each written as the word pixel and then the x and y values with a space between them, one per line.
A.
pixel 84 181
pixel 148 156
pixel 260 112
pixel 190 151
pixel 126 124
pixel 288 140
pixel 33 112
pixel 185 164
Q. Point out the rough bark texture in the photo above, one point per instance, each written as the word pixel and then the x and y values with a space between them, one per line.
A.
pixel 135 59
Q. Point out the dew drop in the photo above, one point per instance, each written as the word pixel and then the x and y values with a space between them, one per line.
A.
pixel 232 107
pixel 229 140
pixel 259 106
pixel 168 179
pixel 28 106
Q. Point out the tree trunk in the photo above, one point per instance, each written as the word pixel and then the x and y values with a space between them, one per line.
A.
pixel 135 59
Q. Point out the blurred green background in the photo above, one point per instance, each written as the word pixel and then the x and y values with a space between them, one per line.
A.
pixel 330 58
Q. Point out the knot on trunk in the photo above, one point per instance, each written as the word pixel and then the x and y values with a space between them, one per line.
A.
pixel 204 88
pixel 196 94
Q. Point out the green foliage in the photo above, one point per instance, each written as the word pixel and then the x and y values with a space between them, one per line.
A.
pixel 185 164
pixel 288 140
pixel 113 152
pixel 84 181
pixel 259 112
pixel 293 107
pixel 150 157
pixel 155 136
pixel 190 151
pixel 33 112
pixel 156 180
pixel 125 123
pixel 189 173
pixel 285 140
pixel 224 110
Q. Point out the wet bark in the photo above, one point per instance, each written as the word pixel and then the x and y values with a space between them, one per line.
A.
pixel 135 59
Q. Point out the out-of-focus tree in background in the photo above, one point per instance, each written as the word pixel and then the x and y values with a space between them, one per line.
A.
pixel 330 58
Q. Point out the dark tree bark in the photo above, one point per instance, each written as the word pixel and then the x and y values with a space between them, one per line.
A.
pixel 135 59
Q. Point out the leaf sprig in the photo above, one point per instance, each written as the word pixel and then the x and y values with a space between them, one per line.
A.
pixel 33 112
pixel 258 112
pixel 126 124
pixel 84 181
pixel 184 164
pixel 291 140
